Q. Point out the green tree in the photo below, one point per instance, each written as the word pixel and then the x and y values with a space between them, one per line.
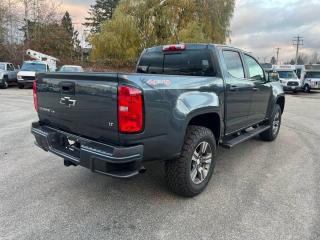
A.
pixel 69 36
pixel 273 60
pixel 109 46
pixel 101 11
pixel 154 22
pixel 58 39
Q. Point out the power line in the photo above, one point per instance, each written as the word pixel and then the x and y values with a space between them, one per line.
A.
pixel 297 42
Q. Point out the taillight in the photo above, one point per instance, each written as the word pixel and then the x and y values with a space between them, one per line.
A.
pixel 130 109
pixel 35 96
pixel 174 47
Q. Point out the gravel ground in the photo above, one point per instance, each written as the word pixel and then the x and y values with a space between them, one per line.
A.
pixel 259 190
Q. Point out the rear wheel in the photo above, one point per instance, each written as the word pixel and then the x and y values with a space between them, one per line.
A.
pixel 275 123
pixel 189 174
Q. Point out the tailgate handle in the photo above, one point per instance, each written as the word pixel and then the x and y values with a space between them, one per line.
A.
pixel 67 87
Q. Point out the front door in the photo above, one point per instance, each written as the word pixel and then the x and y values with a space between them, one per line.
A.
pixel 261 90
pixel 238 92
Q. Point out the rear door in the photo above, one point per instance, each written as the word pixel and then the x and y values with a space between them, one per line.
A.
pixel 238 91
pixel 82 104
pixel 261 90
pixel 11 73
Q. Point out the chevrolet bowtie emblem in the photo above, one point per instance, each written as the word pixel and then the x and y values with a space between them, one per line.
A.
pixel 68 101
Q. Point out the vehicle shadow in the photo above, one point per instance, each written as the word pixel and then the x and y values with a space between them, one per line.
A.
pixel 151 185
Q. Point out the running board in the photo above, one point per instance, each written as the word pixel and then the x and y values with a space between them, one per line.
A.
pixel 244 137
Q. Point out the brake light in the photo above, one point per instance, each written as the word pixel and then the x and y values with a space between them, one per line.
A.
pixel 174 47
pixel 130 109
pixel 35 95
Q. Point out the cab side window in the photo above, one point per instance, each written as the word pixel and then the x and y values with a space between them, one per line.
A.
pixel 233 63
pixel 255 71
pixel 11 67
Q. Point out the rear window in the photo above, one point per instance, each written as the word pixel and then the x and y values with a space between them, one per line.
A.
pixel 191 62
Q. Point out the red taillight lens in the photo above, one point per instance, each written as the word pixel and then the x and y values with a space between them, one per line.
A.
pixel 175 47
pixel 130 109
pixel 35 95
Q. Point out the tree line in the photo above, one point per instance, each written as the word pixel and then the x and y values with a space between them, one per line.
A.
pixel 39 25
pixel 119 29
pixel 127 27
pixel 302 59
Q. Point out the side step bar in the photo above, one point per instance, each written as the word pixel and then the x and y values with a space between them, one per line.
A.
pixel 244 137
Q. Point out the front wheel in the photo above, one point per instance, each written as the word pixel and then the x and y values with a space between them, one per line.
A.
pixel 21 86
pixel 5 82
pixel 307 88
pixel 275 123
pixel 189 174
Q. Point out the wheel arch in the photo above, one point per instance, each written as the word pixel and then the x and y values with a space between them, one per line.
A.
pixel 281 102
pixel 208 119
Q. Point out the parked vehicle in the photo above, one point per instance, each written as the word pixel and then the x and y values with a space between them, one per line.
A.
pixel 299 69
pixel 311 77
pixel 271 74
pixel 71 68
pixel 27 73
pixel 41 57
pixel 8 74
pixel 288 78
pixel 182 102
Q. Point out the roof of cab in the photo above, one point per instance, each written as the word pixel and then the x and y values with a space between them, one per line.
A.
pixel 193 46
pixel 36 62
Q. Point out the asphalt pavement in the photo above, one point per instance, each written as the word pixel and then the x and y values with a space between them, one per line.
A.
pixel 260 190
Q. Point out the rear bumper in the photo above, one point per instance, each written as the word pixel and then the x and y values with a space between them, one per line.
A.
pixel 122 162
pixel 291 88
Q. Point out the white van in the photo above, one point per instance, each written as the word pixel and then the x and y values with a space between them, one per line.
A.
pixel 288 77
pixel 311 77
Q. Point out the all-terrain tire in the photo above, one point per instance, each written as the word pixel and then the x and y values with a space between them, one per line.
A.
pixel 272 133
pixel 178 170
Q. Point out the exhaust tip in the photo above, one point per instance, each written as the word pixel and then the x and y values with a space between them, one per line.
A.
pixel 142 170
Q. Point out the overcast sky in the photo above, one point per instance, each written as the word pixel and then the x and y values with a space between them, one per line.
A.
pixel 258 26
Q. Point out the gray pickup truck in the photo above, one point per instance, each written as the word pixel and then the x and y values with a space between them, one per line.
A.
pixel 182 103
pixel 8 74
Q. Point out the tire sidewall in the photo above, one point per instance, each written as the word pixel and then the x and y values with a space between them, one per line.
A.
pixel 307 88
pixel 276 109
pixel 5 82
pixel 197 188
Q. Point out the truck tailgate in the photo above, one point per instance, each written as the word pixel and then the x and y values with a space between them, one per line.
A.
pixel 83 104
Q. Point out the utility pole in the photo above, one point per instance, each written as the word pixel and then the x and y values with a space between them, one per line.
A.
pixel 297 42
pixel 26 19
pixel 278 50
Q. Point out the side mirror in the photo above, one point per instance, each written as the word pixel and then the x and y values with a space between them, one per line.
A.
pixel 266 77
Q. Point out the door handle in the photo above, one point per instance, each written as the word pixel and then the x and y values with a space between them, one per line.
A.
pixel 67 87
pixel 233 88
pixel 255 89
